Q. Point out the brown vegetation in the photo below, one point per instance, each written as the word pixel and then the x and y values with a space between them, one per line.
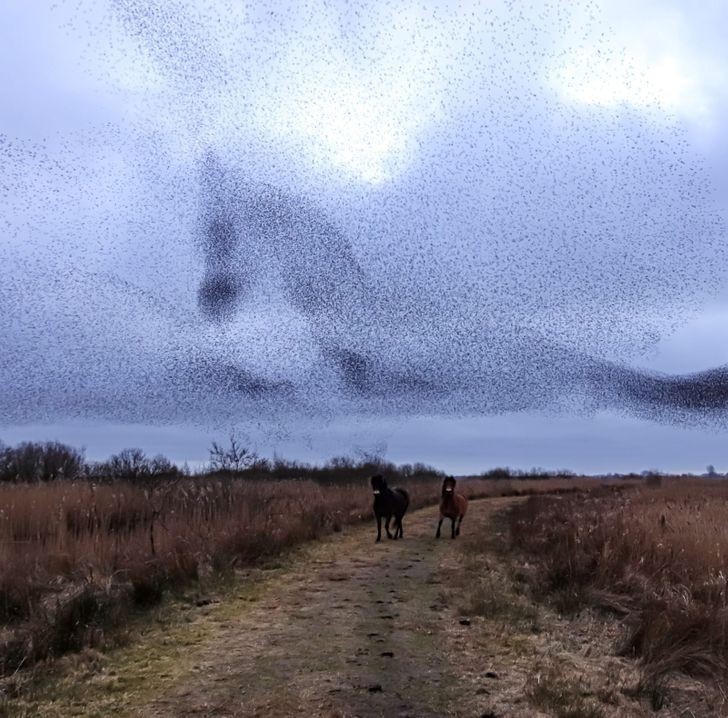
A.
pixel 656 555
pixel 76 556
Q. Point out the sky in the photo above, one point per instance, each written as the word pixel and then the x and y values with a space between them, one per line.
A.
pixel 471 234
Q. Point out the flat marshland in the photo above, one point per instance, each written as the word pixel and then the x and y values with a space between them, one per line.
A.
pixel 76 558
pixel 655 555
pixel 563 597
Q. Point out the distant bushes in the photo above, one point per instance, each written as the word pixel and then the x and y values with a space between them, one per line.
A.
pixel 340 469
pixel 501 472
pixel 31 462
pixel 37 462
pixel 133 465
pixel 234 459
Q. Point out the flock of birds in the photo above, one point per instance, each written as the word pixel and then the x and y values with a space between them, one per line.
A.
pixel 222 246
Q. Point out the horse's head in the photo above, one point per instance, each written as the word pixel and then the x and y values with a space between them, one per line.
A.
pixel 448 486
pixel 378 484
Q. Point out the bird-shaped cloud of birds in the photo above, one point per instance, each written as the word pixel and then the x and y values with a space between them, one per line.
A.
pixel 324 209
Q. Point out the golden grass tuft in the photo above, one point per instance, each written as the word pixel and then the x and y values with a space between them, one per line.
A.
pixel 656 555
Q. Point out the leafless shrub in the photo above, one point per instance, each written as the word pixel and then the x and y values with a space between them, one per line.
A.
pixel 232 458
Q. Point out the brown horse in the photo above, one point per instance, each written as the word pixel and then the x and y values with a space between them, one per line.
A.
pixel 452 506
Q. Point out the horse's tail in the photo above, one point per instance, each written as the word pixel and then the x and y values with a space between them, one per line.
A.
pixel 405 496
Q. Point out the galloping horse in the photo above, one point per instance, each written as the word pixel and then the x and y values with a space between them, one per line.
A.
pixel 389 503
pixel 452 505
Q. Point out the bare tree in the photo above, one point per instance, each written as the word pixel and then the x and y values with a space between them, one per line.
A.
pixel 130 464
pixel 234 457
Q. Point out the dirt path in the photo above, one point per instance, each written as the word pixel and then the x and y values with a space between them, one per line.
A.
pixel 348 628
pixel 353 630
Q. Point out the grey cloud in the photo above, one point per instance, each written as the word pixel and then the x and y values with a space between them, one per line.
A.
pixel 518 253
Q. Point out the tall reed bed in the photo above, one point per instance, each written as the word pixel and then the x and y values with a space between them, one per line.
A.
pixel 658 556
pixel 76 557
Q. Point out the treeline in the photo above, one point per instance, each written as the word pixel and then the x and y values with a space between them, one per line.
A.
pixel 36 462
pixel 33 462
pixel 340 469
pixel 504 472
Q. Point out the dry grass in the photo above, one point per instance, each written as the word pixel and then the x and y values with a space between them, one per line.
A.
pixel 656 555
pixel 479 586
pixel 561 696
pixel 76 558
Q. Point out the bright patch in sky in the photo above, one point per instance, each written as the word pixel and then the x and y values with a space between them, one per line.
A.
pixel 348 128
pixel 594 78
pixel 357 102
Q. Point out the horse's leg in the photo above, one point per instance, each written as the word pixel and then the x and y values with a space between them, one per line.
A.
pixel 460 523
pixel 452 521
pixel 399 524
pixel 439 526
pixel 386 526
pixel 379 527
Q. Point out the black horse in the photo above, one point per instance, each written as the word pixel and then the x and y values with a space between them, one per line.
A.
pixel 389 503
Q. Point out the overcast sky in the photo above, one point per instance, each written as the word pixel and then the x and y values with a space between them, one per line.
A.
pixel 460 233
